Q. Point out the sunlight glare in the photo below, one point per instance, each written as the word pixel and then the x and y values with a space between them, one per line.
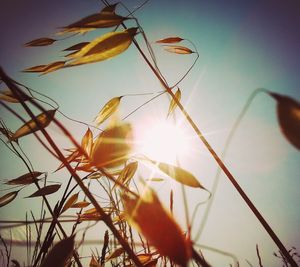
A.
pixel 164 141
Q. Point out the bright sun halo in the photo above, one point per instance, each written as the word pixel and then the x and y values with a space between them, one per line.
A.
pixel 164 141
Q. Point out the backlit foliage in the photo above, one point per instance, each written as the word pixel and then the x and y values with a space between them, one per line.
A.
pixel 140 229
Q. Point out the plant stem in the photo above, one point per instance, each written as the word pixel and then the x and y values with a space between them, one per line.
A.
pixel 55 219
pixel 223 154
pixel 218 160
pixel 105 217
pixel 223 167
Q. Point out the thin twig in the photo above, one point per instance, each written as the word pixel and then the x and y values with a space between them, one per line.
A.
pixel 258 255
pixel 6 249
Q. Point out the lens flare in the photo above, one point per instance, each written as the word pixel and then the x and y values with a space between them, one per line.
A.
pixel 163 141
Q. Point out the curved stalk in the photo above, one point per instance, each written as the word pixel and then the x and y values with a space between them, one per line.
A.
pixel 226 171
pixel 223 155
pixel 218 160
pixel 106 218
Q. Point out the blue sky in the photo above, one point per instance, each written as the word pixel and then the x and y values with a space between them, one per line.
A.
pixel 243 45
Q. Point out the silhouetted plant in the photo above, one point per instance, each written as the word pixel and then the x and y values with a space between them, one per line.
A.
pixel 106 161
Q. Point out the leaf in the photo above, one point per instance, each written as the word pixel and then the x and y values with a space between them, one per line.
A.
pixel 70 202
pixel 173 104
pixel 25 179
pixel 104 47
pixel 157 225
pixel 73 149
pixel 41 42
pixel 29 127
pixel 109 8
pixel 169 40
pixel 70 54
pixel 87 141
pixel 180 175
pixel 115 172
pixel 98 175
pixel 155 179
pixel 108 109
pixel 90 215
pixel 54 66
pixel 116 253
pixel 90 211
pixel 9 96
pixel 39 68
pixel 94 21
pixel 127 173
pixel 288 113
pixel 104 20
pixel 178 49
pixel 60 253
pixel 9 197
pixel 95 175
pixel 70 158
pixel 86 167
pixel 144 258
pixel 47 190
pixel 44 69
pixel 81 204
pixel 76 47
pixel 112 147
pixel 94 262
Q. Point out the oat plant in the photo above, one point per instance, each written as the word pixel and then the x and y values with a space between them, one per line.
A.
pixel 139 229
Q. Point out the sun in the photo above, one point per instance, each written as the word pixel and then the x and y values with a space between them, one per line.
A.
pixel 163 141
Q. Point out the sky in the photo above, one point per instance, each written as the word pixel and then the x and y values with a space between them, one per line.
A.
pixel 242 45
